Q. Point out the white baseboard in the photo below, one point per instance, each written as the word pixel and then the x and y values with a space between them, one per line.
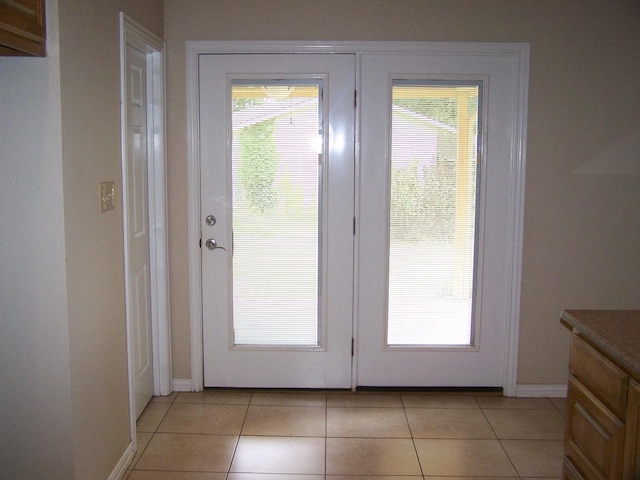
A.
pixel 182 385
pixel 121 468
pixel 531 390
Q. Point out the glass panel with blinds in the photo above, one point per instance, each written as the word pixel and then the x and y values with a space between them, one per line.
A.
pixel 435 128
pixel 277 211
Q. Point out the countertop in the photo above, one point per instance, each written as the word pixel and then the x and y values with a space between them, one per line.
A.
pixel 615 332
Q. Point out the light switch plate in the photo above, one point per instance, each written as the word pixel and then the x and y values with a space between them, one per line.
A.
pixel 107 196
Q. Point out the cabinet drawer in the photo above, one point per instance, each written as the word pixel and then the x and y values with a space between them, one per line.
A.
pixel 595 437
pixel 601 377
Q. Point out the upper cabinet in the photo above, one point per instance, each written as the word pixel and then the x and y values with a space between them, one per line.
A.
pixel 22 28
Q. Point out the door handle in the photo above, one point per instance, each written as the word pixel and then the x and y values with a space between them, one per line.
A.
pixel 210 220
pixel 212 244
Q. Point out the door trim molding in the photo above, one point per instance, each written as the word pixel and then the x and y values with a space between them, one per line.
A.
pixel 195 235
pixel 132 33
pixel 517 51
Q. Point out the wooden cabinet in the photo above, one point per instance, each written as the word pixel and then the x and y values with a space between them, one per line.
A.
pixel 594 443
pixel 22 28
pixel 632 437
pixel 603 417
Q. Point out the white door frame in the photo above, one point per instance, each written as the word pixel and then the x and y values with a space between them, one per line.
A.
pixel 516 51
pixel 132 33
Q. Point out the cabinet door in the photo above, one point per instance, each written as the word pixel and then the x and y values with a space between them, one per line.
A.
pixel 594 435
pixel 22 27
pixel 632 438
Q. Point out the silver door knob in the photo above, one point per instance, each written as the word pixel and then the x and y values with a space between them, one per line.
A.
pixel 210 220
pixel 212 244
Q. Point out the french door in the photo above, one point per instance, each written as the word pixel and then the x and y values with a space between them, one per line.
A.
pixel 434 275
pixel 277 140
pixel 323 269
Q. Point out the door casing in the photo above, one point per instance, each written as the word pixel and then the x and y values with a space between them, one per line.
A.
pixel 132 33
pixel 515 51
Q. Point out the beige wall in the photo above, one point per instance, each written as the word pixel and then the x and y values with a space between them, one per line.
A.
pixel 65 411
pixel 581 233
pixel 90 96
pixel 35 418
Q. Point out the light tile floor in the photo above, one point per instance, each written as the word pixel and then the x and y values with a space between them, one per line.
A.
pixel 244 435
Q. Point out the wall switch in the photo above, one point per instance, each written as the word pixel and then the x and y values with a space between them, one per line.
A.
pixel 107 196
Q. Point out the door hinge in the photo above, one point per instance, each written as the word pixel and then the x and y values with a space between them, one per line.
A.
pixel 352 346
pixel 200 243
pixel 355 99
pixel 354 225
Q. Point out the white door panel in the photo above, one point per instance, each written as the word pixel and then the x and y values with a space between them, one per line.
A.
pixel 481 363
pixel 139 288
pixel 228 360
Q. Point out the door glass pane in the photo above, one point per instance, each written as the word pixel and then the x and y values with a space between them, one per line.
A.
pixel 433 192
pixel 276 188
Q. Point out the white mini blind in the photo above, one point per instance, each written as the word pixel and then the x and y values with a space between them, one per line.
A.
pixel 433 208
pixel 276 217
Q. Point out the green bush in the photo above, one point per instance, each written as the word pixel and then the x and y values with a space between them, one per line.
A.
pixel 258 166
pixel 423 209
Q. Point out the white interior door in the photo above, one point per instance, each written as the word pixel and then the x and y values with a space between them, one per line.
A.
pixel 277 176
pixel 137 218
pixel 435 225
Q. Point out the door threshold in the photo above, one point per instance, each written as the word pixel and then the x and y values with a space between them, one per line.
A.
pixel 369 389
pixel 451 390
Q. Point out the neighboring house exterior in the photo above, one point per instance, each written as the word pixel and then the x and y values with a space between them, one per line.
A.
pixel 415 138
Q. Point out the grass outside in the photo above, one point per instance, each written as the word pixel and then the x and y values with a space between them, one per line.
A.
pixel 275 288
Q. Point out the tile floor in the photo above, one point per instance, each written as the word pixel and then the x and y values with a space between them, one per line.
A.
pixel 244 435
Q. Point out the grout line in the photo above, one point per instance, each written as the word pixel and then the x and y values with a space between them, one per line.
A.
pixel 326 431
pixel 244 420
pixel 482 410
pixel 132 466
pixel 413 440
pixel 509 458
